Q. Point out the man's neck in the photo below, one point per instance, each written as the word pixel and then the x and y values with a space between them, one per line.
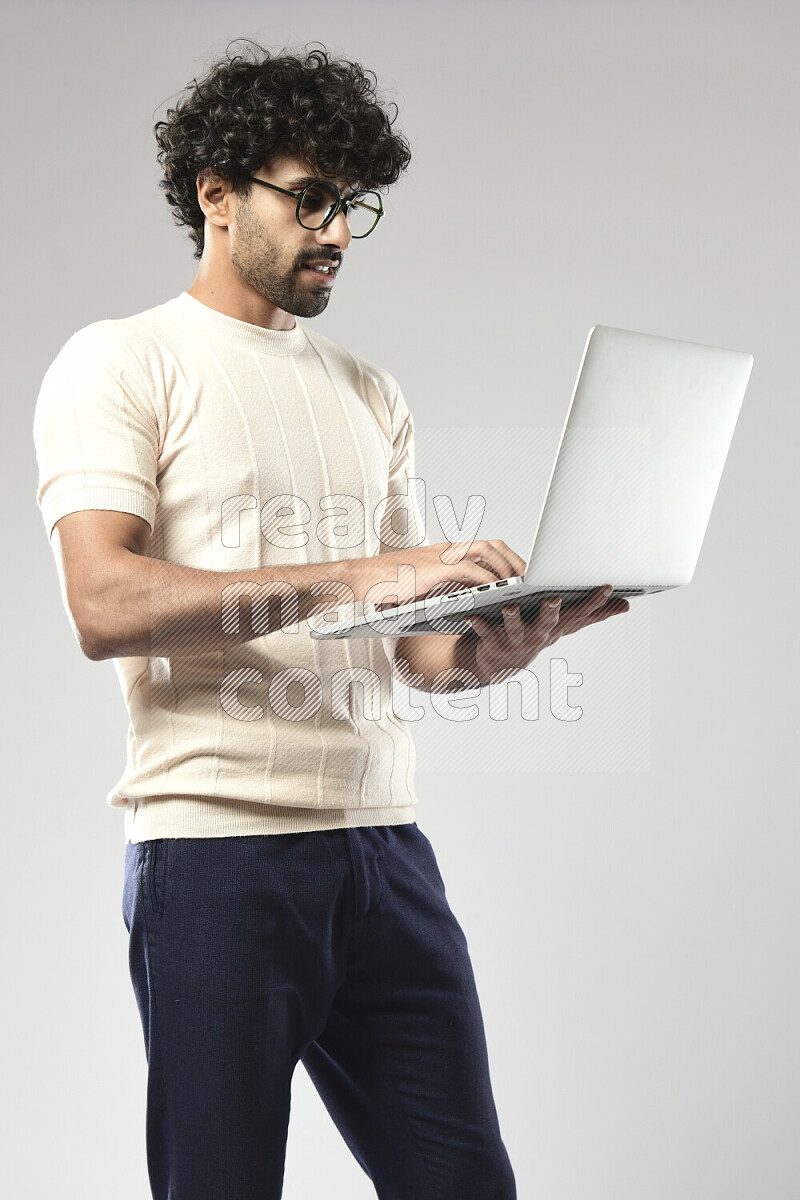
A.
pixel 231 299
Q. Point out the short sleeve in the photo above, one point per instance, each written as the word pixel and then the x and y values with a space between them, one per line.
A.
pixel 402 470
pixel 96 430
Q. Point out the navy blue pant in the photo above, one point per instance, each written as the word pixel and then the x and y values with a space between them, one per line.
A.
pixel 336 948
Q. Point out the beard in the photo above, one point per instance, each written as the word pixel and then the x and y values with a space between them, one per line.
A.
pixel 262 266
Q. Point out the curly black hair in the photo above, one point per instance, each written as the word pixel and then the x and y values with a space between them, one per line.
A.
pixel 244 113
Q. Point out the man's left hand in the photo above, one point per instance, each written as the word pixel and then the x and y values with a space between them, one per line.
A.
pixel 504 649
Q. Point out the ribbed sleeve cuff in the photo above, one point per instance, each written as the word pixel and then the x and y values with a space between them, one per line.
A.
pixel 115 499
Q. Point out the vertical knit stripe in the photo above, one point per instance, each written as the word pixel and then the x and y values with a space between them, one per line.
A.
pixel 294 484
pixel 358 453
pixel 371 642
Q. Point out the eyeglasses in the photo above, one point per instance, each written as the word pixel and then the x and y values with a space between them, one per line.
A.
pixel 320 201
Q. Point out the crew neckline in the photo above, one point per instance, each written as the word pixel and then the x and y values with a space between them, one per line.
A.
pixel 241 333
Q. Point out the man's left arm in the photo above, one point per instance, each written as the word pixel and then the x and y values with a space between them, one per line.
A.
pixel 421 661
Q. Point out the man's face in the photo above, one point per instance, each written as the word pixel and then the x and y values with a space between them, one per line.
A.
pixel 270 248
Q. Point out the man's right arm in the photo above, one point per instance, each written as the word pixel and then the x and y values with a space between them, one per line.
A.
pixel 122 603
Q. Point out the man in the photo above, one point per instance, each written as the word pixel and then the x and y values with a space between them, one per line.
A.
pixel 282 903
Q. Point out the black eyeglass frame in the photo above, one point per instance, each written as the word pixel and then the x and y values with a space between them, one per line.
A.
pixel 341 203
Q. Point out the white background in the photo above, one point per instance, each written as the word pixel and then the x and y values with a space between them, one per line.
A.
pixel 633 931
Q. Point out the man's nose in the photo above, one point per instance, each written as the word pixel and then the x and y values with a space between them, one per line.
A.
pixel 336 232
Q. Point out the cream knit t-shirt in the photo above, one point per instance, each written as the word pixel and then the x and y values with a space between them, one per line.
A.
pixel 242 447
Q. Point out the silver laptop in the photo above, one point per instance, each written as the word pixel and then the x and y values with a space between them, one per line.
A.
pixel 630 494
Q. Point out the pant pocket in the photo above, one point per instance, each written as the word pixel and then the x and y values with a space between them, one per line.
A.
pixel 154 874
pixel 130 887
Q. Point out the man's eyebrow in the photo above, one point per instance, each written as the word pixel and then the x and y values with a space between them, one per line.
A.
pixel 300 182
pixel 295 185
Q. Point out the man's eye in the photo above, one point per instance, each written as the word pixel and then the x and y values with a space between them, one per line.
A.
pixel 312 196
pixel 317 199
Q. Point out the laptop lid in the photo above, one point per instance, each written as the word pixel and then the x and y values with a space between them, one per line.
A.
pixel 639 462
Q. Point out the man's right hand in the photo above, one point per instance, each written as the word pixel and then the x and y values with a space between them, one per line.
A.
pixel 402 576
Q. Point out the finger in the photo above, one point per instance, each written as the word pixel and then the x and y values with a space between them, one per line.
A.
pixel 596 599
pixel 516 563
pixel 545 628
pixel 513 624
pixel 462 576
pixel 611 609
pixel 548 615
pixel 618 605
pixel 481 626
pixel 574 616
pixel 489 553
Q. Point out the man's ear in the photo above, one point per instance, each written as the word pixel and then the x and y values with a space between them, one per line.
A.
pixel 214 196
